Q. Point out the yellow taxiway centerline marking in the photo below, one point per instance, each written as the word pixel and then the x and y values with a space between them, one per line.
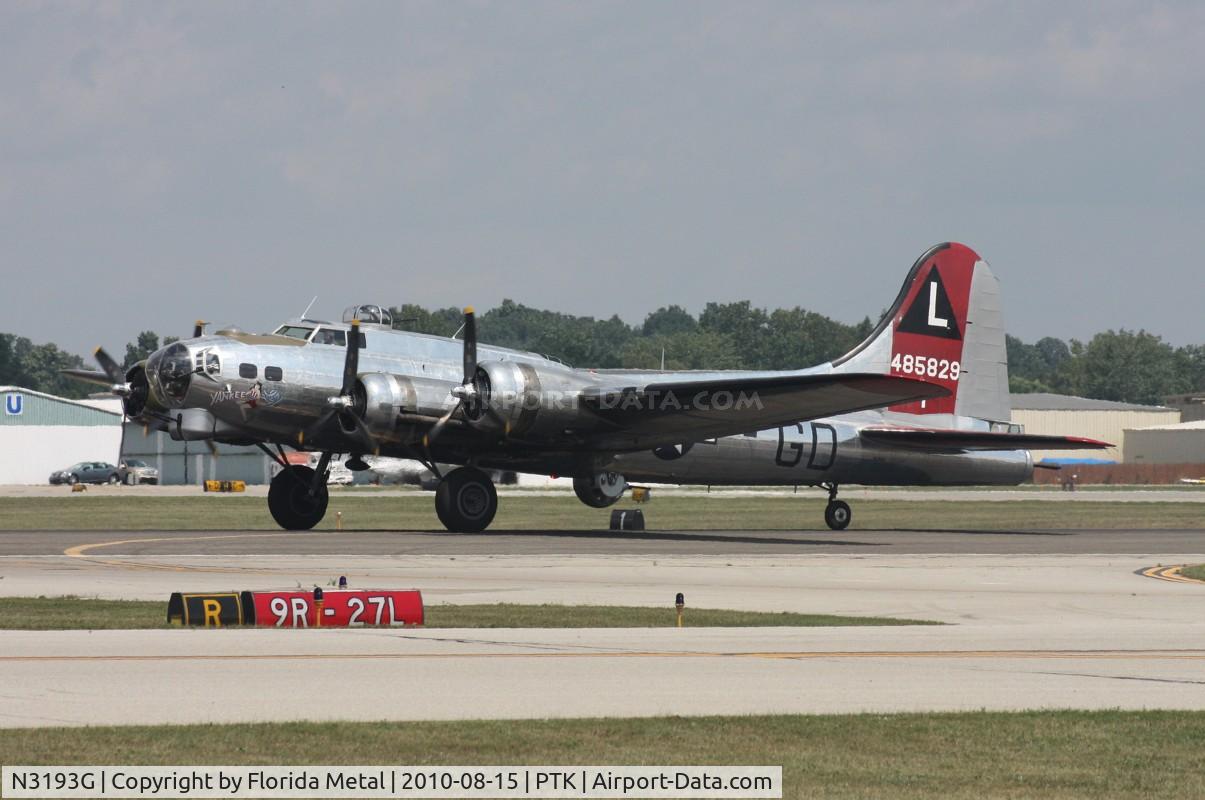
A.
pixel 1169 574
pixel 1125 655
pixel 79 551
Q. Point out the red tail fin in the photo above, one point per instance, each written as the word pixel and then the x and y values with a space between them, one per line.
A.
pixel 944 327
pixel 930 324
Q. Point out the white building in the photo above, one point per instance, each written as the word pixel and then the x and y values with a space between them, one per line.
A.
pixel 1104 420
pixel 1167 444
pixel 41 434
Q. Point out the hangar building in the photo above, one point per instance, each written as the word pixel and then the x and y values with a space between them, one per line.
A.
pixel 192 462
pixel 1106 420
pixel 41 434
pixel 1167 444
pixel 1191 405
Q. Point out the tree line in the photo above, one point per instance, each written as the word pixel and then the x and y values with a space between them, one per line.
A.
pixel 1136 367
pixel 36 366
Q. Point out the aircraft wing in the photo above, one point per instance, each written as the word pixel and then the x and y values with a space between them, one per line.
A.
pixel 677 411
pixel 951 440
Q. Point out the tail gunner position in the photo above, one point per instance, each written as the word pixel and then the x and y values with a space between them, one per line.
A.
pixel 923 401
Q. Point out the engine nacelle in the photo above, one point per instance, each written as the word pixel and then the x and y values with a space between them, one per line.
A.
pixel 378 399
pixel 513 398
pixel 195 424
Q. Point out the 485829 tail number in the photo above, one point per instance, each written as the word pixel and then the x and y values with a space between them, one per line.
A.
pixel 925 366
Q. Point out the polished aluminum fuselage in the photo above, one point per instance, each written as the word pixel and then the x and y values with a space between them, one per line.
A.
pixel 823 451
pixel 293 381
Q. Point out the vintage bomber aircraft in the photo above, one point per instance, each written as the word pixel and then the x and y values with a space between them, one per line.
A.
pixel 936 362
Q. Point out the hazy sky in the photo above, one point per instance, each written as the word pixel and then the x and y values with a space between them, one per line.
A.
pixel 161 162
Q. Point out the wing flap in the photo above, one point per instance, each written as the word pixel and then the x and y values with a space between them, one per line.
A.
pixel 673 412
pixel 928 439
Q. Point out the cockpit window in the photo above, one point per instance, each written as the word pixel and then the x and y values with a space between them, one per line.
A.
pixel 334 336
pixel 294 331
pixel 330 336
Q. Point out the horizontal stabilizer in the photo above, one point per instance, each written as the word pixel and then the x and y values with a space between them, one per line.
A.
pixel 88 376
pixel 676 411
pixel 926 439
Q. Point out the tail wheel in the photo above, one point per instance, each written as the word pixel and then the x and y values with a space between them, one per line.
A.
pixel 600 490
pixel 466 501
pixel 292 505
pixel 837 514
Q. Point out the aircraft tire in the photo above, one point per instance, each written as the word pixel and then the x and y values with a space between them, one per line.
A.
pixel 837 515
pixel 466 500
pixel 591 495
pixel 290 502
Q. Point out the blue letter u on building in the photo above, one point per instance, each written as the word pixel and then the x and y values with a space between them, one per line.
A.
pixel 13 404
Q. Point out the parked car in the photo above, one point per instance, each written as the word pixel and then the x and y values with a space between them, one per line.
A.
pixel 134 471
pixel 87 472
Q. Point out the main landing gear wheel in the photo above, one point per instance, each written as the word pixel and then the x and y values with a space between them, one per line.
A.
pixel 293 504
pixel 465 500
pixel 837 515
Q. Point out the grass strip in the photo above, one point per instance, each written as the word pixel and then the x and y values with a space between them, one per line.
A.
pixel 507 615
pixel 1196 572
pixel 1048 754
pixel 785 511
pixel 74 613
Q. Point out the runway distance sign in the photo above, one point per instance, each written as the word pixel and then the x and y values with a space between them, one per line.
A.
pixel 341 608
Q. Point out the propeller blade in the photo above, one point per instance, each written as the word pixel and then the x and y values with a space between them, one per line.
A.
pixel 463 393
pixel 351 365
pixel 316 429
pixel 363 437
pixel 213 448
pixel 111 367
pixel 88 376
pixel 433 434
pixel 470 345
pixel 198 328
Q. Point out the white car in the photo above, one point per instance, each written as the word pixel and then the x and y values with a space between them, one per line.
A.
pixel 133 471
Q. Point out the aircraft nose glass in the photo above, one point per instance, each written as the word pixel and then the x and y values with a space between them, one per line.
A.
pixel 174 371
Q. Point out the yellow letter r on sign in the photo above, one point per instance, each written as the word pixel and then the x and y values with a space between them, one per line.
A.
pixel 213 613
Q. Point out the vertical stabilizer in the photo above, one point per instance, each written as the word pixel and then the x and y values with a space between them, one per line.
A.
pixel 983 387
pixel 945 327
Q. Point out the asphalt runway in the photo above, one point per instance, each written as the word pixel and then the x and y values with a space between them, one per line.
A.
pixel 603 542
pixel 1061 619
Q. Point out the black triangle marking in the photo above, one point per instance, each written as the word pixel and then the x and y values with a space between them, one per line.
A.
pixel 931 313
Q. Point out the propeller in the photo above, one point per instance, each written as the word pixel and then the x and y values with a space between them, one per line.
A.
pixel 198 328
pixel 343 405
pixel 466 392
pixel 112 369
